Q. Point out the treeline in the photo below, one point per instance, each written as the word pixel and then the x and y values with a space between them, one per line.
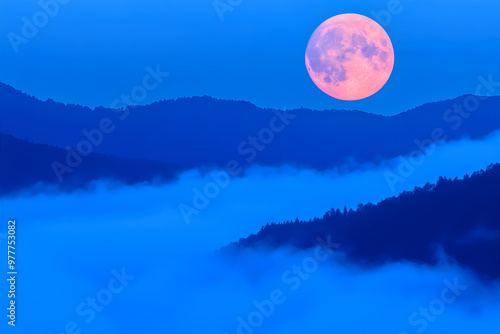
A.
pixel 460 217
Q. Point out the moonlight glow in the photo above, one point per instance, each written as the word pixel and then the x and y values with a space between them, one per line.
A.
pixel 349 57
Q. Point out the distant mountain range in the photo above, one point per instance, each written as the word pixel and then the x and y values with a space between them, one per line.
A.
pixel 460 217
pixel 139 143
pixel 203 131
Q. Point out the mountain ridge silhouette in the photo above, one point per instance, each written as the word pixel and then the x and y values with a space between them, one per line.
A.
pixel 206 132
pixel 459 217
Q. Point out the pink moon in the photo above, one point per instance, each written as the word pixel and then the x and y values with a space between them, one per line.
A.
pixel 349 57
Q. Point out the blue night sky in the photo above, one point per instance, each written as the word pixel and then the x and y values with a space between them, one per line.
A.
pixel 90 52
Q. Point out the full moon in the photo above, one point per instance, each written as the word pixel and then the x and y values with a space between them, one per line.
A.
pixel 349 57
